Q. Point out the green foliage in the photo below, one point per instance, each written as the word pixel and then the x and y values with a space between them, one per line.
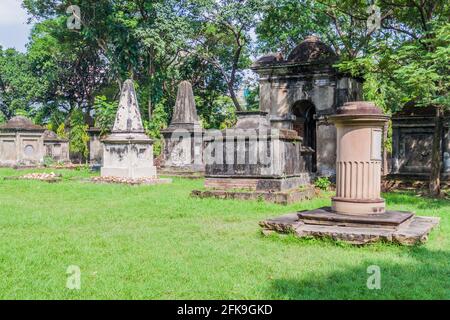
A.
pixel 221 115
pixel 323 183
pixel 48 161
pixel 155 125
pixel 251 96
pixel 105 113
pixel 78 135
pixel 2 118
pixel 61 131
pixel 19 86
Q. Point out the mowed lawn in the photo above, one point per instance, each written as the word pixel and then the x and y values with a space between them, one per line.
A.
pixel 155 242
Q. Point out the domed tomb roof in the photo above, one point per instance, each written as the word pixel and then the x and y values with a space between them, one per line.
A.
pixel 270 58
pixel 20 123
pixel 311 49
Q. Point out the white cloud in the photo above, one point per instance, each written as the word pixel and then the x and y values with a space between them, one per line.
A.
pixel 14 30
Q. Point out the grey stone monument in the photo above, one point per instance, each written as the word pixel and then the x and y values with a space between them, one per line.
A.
pixel 183 146
pixel 128 151
pixel 301 92
pixel 56 147
pixel 21 143
pixel 255 161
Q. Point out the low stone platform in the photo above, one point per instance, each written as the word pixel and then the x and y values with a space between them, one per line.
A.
pixel 129 181
pixel 279 197
pixel 181 173
pixel 393 226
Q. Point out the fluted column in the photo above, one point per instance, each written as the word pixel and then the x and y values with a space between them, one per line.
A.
pixel 359 159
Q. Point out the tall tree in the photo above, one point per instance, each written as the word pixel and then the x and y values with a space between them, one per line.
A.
pixel 223 38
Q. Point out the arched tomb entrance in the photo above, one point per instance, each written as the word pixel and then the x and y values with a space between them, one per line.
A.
pixel 305 125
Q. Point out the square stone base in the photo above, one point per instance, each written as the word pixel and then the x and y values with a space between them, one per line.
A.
pixel 279 197
pixel 393 226
pixel 269 184
pixel 187 173
pixel 133 173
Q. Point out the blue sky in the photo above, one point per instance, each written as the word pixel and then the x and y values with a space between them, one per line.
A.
pixel 14 30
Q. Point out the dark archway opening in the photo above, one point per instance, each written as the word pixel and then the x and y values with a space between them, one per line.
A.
pixel 305 125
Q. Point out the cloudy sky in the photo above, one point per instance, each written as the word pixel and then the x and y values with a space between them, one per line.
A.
pixel 14 30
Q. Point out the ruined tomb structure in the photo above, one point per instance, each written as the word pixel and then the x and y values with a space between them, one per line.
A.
pixel 56 147
pixel 21 143
pixel 128 151
pixel 254 156
pixel 183 145
pixel 301 92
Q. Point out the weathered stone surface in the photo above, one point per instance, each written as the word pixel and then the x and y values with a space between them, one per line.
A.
pixel 95 146
pixel 185 111
pixel 128 151
pixel 56 147
pixel 412 141
pixel 359 127
pixel 414 230
pixel 417 231
pixel 21 143
pixel 281 197
pixel 268 159
pixel 183 139
pixel 325 216
pixel 307 77
pixel 285 224
pixel 257 184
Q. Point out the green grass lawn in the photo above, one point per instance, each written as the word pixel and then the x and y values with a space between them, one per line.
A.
pixel 155 242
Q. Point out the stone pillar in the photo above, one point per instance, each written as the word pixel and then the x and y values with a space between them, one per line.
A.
pixel 359 158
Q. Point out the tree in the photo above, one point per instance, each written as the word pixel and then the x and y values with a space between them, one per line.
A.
pixel 78 135
pixel 405 58
pixel 223 37
pixel 411 66
pixel 19 87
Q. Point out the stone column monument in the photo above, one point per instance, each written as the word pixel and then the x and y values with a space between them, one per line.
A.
pixel 183 145
pixel 359 158
pixel 128 151
pixel 357 214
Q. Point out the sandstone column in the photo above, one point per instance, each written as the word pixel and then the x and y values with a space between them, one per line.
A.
pixel 359 158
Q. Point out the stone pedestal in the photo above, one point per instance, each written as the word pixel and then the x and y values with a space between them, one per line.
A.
pixel 128 151
pixel 183 139
pixel 254 158
pixel 358 212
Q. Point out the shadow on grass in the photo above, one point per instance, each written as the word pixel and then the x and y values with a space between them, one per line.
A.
pixel 411 198
pixel 427 277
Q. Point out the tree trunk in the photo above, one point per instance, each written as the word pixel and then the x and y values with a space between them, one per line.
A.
pixel 436 161
pixel 234 98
